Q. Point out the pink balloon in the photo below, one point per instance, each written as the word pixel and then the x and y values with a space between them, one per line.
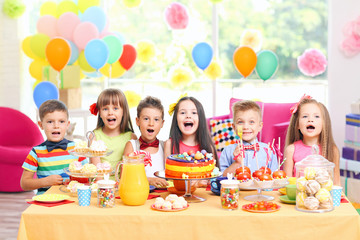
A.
pixel 47 25
pixel 177 16
pixel 83 33
pixel 66 25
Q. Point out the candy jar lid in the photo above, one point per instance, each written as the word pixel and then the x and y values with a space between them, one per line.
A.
pixel 230 182
pixel 314 160
pixel 106 183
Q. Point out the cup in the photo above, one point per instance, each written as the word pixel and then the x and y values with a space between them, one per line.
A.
pixel 84 195
pixel 336 195
pixel 291 191
pixel 215 184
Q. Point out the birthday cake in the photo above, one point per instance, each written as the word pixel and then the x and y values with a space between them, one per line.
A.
pixel 190 165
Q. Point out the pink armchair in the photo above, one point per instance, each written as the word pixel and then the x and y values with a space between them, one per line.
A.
pixel 276 117
pixel 18 134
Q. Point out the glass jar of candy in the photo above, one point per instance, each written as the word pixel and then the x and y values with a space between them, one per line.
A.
pixel 229 194
pixel 314 182
pixel 106 193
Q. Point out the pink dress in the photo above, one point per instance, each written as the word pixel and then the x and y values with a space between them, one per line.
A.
pixel 185 148
pixel 301 151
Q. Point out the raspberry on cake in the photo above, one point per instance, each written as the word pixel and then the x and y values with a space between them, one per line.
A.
pixel 198 165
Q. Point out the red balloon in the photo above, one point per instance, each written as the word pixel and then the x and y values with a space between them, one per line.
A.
pixel 128 56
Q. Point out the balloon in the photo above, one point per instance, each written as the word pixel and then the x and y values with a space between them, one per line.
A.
pixel 96 53
pixel 267 64
pixel 83 63
pixel 25 45
pixel 48 8
pixel 36 68
pixel 58 53
pixel 176 16
pixel 38 44
pixel 45 91
pixel 145 51
pixel 115 48
pixel 244 59
pixel 131 3
pixel 47 25
pixel 202 55
pixel 128 56
pixel 115 71
pixel 74 53
pixel 85 4
pixel 96 16
pixel 66 6
pixel 66 25
pixel 83 33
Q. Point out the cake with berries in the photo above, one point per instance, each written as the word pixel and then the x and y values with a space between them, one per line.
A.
pixel 190 165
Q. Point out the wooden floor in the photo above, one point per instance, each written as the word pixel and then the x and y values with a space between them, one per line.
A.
pixel 11 207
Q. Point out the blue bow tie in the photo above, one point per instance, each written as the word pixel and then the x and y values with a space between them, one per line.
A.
pixel 55 145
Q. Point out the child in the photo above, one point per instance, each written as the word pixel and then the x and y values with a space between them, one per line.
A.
pixel 247 115
pixel 114 124
pixel 150 119
pixel 310 124
pixel 49 159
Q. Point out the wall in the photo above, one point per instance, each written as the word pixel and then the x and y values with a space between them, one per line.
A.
pixel 343 72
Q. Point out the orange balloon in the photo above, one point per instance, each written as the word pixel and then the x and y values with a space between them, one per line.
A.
pixel 245 60
pixel 58 52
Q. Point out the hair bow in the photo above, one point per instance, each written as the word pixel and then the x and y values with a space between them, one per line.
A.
pixel 294 108
pixel 93 109
pixel 173 105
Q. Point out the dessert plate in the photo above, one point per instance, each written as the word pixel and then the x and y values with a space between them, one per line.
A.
pixel 245 208
pixel 168 210
pixel 50 198
pixel 285 199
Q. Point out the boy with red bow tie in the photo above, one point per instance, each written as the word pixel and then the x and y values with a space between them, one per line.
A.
pixel 251 153
pixel 150 119
pixel 49 159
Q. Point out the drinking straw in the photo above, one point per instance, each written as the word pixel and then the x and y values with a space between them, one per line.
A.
pixel 240 133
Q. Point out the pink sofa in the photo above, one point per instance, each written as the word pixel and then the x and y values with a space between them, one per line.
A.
pixel 18 134
pixel 276 117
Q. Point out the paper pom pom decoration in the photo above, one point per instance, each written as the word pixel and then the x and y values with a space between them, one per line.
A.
pixel 176 16
pixel 312 62
pixel 14 8
pixel 180 76
pixel 132 3
pixel 214 70
pixel 350 46
pixel 251 38
pixel 132 98
pixel 145 51
pixel 216 1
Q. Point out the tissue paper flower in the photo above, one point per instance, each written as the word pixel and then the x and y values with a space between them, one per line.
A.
pixel 312 62
pixel 14 8
pixel 214 70
pixel 145 51
pixel 132 3
pixel 180 76
pixel 350 46
pixel 132 98
pixel 176 16
pixel 251 38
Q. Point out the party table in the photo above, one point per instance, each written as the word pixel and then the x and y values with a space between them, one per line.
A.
pixel 205 220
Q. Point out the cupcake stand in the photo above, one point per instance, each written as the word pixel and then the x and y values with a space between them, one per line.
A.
pixel 260 186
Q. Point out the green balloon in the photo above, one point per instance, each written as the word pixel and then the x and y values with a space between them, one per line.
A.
pixel 267 64
pixel 115 48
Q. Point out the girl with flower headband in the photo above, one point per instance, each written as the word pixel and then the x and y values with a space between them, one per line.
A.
pixel 310 124
pixel 114 125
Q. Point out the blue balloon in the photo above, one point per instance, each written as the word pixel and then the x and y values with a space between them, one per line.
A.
pixel 96 16
pixel 45 91
pixel 74 52
pixel 96 53
pixel 202 55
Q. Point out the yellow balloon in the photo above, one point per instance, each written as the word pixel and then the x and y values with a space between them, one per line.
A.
pixel 132 3
pixel 38 44
pixel 36 68
pixel 36 83
pixel 83 63
pixel 85 4
pixel 116 70
pixel 145 51
pixel 48 8
pixel 25 45
pixel 66 6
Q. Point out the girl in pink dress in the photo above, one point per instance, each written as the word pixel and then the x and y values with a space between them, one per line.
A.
pixel 310 124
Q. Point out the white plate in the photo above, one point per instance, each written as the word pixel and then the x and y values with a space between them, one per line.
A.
pixel 50 198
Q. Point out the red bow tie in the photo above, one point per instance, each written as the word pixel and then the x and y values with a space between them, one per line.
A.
pixel 254 147
pixel 144 144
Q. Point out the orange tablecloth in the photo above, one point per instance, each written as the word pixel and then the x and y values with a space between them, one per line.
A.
pixel 205 220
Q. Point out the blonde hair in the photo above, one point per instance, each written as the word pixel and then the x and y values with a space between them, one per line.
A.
pixel 326 140
pixel 116 97
pixel 245 105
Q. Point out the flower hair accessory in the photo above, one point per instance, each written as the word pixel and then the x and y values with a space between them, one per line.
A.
pixel 173 105
pixel 294 108
pixel 93 109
